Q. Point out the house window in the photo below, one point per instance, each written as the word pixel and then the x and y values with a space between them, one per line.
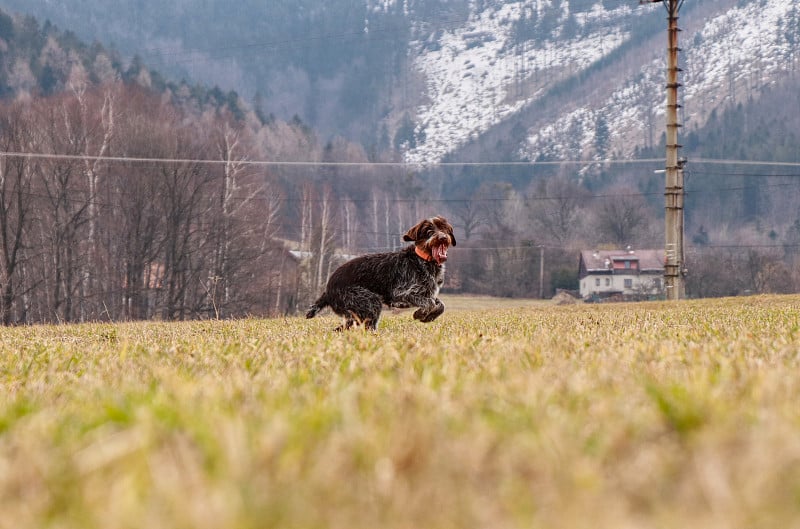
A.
pixel 627 265
pixel 629 283
pixel 608 281
pixel 597 281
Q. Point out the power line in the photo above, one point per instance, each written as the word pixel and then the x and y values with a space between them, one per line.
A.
pixel 425 200
pixel 313 163
pixel 714 161
pixel 316 163
pixel 755 175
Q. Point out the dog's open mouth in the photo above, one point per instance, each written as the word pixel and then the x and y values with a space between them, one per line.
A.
pixel 439 253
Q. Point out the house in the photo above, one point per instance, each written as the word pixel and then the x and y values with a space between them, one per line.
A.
pixel 621 274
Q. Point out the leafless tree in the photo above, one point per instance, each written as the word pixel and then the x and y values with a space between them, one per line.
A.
pixel 65 215
pixel 555 209
pixel 235 195
pixel 243 221
pixel 621 217
pixel 16 208
pixel 182 202
pixel 90 127
pixel 469 216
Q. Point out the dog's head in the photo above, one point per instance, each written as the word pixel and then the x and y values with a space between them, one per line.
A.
pixel 432 237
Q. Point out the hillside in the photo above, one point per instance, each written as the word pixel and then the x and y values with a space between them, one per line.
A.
pixel 451 80
pixel 610 77
pixel 40 60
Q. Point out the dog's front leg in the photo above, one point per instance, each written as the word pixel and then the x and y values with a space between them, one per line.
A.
pixel 430 311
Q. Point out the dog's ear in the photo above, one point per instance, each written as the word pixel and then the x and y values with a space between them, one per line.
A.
pixel 413 233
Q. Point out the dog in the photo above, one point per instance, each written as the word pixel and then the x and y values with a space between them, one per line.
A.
pixel 406 278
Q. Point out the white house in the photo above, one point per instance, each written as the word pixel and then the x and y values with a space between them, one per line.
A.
pixel 626 274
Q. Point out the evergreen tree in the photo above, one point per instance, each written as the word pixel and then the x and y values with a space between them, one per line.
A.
pixel 602 136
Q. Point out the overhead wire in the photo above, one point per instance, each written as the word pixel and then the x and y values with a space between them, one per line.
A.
pixel 382 233
pixel 421 200
pixel 424 164
pixel 316 163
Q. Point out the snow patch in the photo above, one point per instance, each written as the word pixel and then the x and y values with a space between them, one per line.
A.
pixel 475 78
pixel 732 56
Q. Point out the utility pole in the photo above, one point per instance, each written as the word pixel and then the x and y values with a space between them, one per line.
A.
pixel 541 271
pixel 674 266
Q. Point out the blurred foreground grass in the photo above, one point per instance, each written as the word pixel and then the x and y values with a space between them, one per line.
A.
pixel 617 416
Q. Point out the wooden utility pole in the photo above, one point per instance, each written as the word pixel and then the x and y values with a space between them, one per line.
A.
pixel 674 266
pixel 541 271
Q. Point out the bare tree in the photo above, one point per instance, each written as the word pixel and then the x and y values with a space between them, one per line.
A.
pixel 501 206
pixel 133 221
pixel 16 203
pixel 469 215
pixel 140 240
pixel 318 236
pixel 91 134
pixel 65 214
pixel 244 220
pixel 181 206
pixel 621 217
pixel 555 209
pixel 233 198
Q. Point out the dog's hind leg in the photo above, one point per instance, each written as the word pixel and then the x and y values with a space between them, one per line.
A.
pixel 358 305
pixel 346 325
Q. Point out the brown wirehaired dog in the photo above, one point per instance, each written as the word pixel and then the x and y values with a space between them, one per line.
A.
pixel 410 277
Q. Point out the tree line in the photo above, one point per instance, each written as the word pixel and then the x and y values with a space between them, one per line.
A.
pixel 84 239
pixel 147 211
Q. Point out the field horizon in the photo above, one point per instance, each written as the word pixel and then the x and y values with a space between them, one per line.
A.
pixel 518 413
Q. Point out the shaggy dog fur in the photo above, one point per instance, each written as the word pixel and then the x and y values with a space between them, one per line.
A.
pixel 410 277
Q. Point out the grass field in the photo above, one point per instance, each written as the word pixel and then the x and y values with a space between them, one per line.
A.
pixel 649 415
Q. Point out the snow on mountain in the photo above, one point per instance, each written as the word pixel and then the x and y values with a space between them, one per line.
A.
pixel 476 76
pixel 730 57
pixel 736 53
pixel 472 77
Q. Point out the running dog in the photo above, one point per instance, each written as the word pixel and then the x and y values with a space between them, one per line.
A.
pixel 410 277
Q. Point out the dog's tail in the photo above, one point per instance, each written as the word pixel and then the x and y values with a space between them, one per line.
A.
pixel 318 305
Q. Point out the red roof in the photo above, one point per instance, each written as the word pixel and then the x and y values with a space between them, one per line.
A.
pixel 603 260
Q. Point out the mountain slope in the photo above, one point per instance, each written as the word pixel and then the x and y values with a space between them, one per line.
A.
pixel 560 89
pixel 733 56
pixel 458 79
pixel 480 75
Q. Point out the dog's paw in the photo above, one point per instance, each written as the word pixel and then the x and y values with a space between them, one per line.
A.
pixel 427 317
pixel 430 317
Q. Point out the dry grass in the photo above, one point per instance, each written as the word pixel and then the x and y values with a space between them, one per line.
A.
pixel 468 302
pixel 617 416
